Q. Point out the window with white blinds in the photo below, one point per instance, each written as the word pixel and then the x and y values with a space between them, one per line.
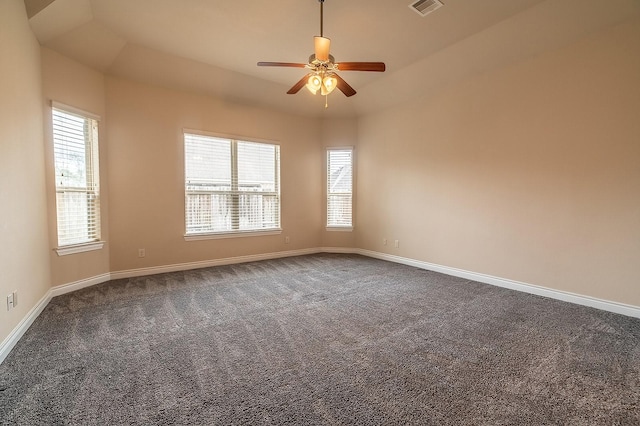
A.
pixel 75 149
pixel 339 188
pixel 231 186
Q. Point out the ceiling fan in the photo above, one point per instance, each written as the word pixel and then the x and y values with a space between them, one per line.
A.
pixel 322 76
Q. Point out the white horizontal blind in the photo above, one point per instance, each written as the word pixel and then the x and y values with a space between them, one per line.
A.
pixel 75 148
pixel 258 186
pixel 339 187
pixel 230 185
pixel 208 184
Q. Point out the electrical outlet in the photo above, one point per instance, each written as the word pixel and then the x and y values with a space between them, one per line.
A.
pixel 10 302
pixel 287 240
pixel 141 253
pixel 384 241
pixel 397 244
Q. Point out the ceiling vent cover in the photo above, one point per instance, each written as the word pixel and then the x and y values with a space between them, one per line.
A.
pixel 425 7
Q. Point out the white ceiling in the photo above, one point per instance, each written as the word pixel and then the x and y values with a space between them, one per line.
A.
pixel 212 46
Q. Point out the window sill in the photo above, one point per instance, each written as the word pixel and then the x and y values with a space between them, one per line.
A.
pixel 340 228
pixel 79 248
pixel 239 234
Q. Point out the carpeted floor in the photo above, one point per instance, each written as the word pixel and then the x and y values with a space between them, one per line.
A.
pixel 321 339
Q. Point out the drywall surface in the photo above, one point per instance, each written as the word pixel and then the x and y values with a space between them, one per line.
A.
pixel 146 174
pixel 70 83
pixel 530 172
pixel 24 263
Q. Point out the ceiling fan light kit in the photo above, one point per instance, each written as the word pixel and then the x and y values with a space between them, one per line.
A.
pixel 322 66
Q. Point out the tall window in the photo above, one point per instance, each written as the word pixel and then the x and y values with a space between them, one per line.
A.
pixel 231 186
pixel 339 187
pixel 75 149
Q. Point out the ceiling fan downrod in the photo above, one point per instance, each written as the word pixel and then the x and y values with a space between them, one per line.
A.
pixel 321 17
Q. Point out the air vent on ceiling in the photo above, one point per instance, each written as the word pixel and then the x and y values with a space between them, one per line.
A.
pixel 425 7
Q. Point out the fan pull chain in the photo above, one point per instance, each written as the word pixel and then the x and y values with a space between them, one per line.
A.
pixel 326 101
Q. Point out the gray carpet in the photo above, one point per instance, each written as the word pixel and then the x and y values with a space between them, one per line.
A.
pixel 321 339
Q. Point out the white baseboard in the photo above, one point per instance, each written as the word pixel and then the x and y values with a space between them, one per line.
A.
pixel 605 305
pixel 130 273
pixel 23 326
pixel 17 333
pixel 77 285
pixel 339 250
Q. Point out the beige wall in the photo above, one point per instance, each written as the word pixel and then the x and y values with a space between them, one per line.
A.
pixel 530 173
pixel 146 174
pixel 73 84
pixel 24 264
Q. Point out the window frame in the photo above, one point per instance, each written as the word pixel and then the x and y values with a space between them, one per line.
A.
pixel 328 193
pixel 234 233
pixel 92 174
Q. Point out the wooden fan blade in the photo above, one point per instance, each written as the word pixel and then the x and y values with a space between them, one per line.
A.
pixel 344 86
pixel 299 85
pixel 362 66
pixel 281 64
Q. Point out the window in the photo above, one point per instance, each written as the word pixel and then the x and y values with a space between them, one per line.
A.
pixel 75 151
pixel 231 186
pixel 339 188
